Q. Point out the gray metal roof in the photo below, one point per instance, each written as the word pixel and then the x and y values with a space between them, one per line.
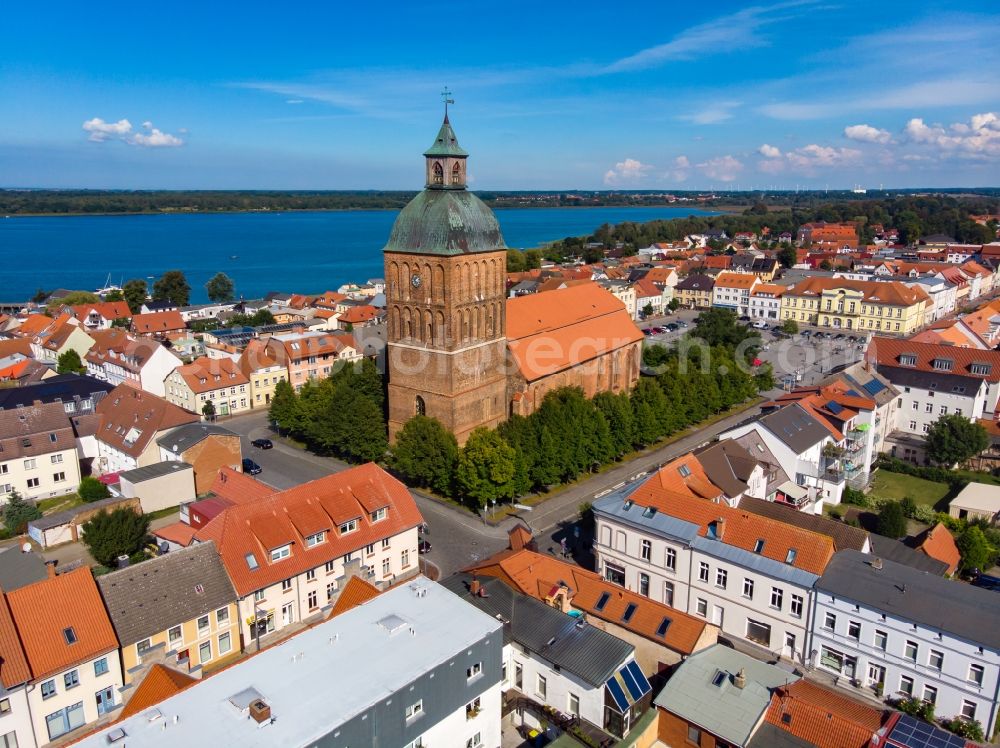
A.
pixel 166 591
pixel 755 561
pixel 61 518
pixel 185 437
pixel 702 692
pixel 939 381
pixel 941 604
pixel 156 470
pixel 571 644
pixel 19 569
pixel 795 428
pixel 897 551
pixel 613 505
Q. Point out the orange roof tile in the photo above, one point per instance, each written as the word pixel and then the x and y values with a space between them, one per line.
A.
pixel 15 670
pixel 43 613
pixel 358 314
pixel 239 488
pixel 939 544
pixel 109 310
pixel 883 292
pixel 813 551
pixel 34 324
pixel 768 289
pixel 356 592
pixel 736 280
pixel 887 352
pixel 823 717
pixel 208 374
pixel 156 322
pixel 257 527
pixel 550 332
pixel 539 576
pixel 160 683
pixel 178 532
pixel 130 417
pixel 15 345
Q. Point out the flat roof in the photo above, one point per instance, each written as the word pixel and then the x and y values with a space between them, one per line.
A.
pixel 156 470
pixel 978 496
pixel 319 679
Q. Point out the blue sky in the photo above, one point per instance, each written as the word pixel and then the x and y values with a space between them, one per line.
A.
pixel 548 95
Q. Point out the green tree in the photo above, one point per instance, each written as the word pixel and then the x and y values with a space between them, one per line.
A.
pixel 909 507
pixel 18 512
pixel 220 288
pixel 720 327
pixel 975 549
pixel 426 453
pixel 515 261
pixel 74 298
pixel 673 305
pixel 486 467
pixel 91 489
pixel 787 256
pixel 825 265
pixel 114 295
pixel 647 310
pixel 135 292
pixel 790 326
pixel 532 259
pixel 208 410
pixel 617 412
pixel 70 363
pixel 172 286
pixel 284 411
pixel 891 521
pixel 109 535
pixel 953 439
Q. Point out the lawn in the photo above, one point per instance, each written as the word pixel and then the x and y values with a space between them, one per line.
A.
pixel 888 485
pixel 60 503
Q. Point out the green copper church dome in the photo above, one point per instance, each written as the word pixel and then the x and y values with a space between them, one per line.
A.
pixel 445 222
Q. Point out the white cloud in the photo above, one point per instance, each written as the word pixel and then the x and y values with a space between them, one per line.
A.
pixel 679 170
pixel 155 139
pixel 979 138
pixel 812 156
pixel 725 168
pixel 712 114
pixel 769 151
pixel 100 130
pixel 628 171
pixel 293 101
pixel 867 134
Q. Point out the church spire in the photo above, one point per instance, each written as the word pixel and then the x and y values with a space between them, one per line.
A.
pixel 445 157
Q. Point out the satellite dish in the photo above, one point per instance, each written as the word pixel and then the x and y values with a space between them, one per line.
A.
pixel 175 448
pixel 26 548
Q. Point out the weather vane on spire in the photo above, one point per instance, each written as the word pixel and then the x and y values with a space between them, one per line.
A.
pixel 446 97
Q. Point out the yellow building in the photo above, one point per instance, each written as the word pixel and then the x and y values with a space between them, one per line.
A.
pixel 264 364
pixel 177 610
pixel 695 292
pixel 888 308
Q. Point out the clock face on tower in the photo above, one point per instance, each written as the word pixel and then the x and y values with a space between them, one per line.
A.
pixel 416 280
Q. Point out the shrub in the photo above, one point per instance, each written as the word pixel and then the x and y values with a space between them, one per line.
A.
pixel 969 729
pixel 92 489
pixel 855 497
pixel 924 514
pixel 836 513
pixel 916 708
pixel 909 506
pixel 18 512
pixel 891 521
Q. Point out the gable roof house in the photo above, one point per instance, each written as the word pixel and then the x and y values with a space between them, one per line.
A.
pixel 68 641
pixel 63 334
pixel 731 467
pixel 285 550
pixel 695 291
pixel 117 357
pixel 158 324
pixel 101 315
pixel 178 610
pixel 131 420
pixel 818 717
pixel 38 456
pixel 219 381
pixel 206 447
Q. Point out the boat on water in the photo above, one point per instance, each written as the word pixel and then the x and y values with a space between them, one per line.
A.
pixel 108 288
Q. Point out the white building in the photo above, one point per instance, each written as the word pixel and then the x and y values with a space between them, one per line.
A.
pixel 903 633
pixel 416 666
pixel 732 291
pixel 38 456
pixel 553 660
pixel 765 302
pixel 749 575
pixel 118 358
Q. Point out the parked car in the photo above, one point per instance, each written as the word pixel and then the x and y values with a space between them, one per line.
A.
pixel 681 323
pixel 262 443
pixel 760 325
pixel 672 327
pixel 250 467
pixel 423 546
pixel 807 333
pixel 648 331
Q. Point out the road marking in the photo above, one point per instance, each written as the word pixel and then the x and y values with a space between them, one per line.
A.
pixel 605 492
pixel 617 485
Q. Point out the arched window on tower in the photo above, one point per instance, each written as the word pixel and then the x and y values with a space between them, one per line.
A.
pixel 456 174
pixel 438 173
pixel 420 408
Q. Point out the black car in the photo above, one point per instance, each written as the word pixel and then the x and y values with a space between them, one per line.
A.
pixel 262 443
pixel 424 547
pixel 250 467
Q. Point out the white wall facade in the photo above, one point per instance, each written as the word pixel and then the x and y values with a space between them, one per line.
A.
pixel 558 685
pixel 40 477
pixel 764 307
pixel 918 408
pixel 457 729
pixel 15 722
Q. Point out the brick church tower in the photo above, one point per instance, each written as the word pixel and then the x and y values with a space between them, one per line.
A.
pixel 445 272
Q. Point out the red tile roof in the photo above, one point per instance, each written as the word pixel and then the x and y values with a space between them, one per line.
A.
pixel 893 293
pixel 158 322
pixel 239 488
pixel 887 352
pixel 131 417
pixel 160 683
pixel 740 529
pixel 356 315
pixel 823 717
pixel 209 374
pixel 255 528
pixel 356 592
pixel 109 310
pixel 550 332
pixel 939 544
pixel 736 280
pixel 177 532
pixel 15 670
pixel 45 610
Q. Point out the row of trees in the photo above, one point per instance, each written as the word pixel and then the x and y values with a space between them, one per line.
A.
pixel 172 286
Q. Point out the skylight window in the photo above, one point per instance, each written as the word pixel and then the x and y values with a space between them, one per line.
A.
pixel 719 679
pixel 629 612
pixel 628 504
pixel 684 470
pixel 251 561
pixel 69 634
pixel 790 557
pixel 758 547
pixel 602 601
pixel 649 512
pixel 661 630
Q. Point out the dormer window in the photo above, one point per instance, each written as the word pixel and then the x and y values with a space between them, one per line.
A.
pixel 315 539
pixel 379 514
pixel 348 527
pixel 907 359
pixel 943 364
pixel 281 553
pixel 438 171
pixel 980 369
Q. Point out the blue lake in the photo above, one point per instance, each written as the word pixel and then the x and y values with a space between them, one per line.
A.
pixel 302 252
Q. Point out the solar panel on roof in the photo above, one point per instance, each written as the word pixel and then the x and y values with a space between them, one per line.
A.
pixel 854 393
pixel 618 695
pixel 874 387
pixel 640 679
pixel 833 407
pixel 912 733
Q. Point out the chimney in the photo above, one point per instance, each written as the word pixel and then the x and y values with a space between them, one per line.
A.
pixel 50 569
pixel 720 528
pixel 740 681
pixel 260 711
pixel 474 587
pixel 877 564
